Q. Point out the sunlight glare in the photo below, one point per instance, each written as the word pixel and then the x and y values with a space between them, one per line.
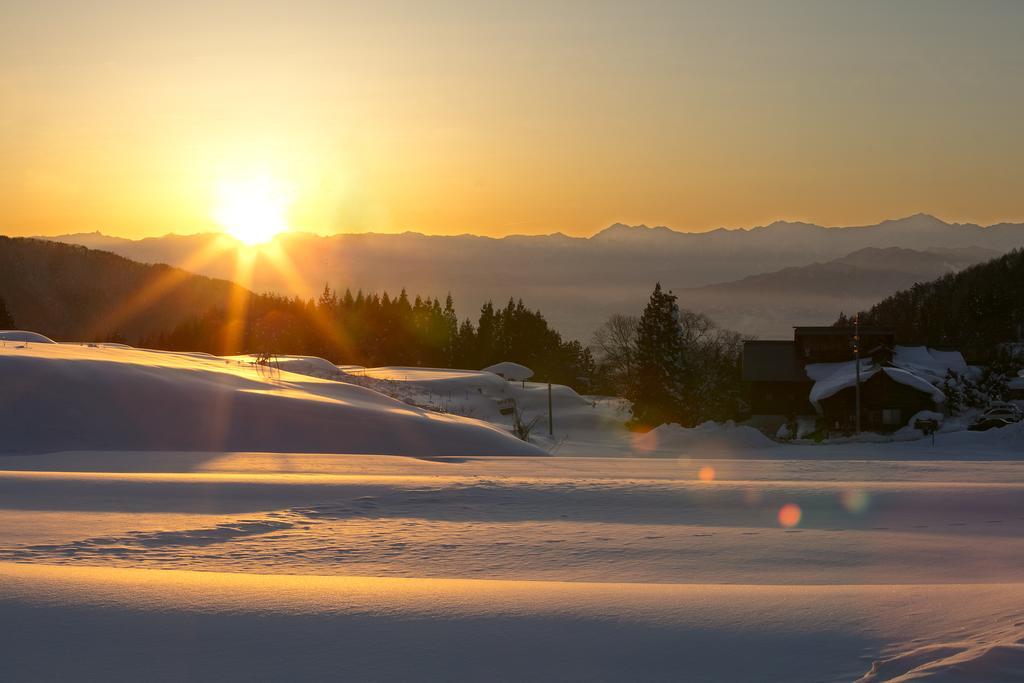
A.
pixel 253 209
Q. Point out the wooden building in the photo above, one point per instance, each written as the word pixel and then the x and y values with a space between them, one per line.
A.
pixel 886 404
pixel 779 389
pixel 776 386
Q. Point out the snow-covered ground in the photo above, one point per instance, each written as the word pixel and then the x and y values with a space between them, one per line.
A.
pixel 272 566
pixel 723 556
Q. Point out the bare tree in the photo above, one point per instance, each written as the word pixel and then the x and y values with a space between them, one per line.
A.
pixel 614 348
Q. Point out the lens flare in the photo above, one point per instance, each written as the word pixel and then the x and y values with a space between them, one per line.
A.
pixel 854 500
pixel 789 515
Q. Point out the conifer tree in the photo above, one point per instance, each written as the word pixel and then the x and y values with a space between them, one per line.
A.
pixel 660 363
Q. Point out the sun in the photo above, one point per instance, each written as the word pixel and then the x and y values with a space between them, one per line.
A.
pixel 253 209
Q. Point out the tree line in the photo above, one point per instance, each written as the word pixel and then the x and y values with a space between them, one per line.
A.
pixel 380 329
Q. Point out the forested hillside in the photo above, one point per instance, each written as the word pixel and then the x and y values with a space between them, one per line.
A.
pixel 72 293
pixel 974 310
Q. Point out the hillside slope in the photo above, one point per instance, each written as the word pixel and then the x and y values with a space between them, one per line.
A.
pixel 74 293
pixel 972 310
pixel 769 304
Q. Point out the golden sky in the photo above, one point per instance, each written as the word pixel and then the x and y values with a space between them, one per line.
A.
pixel 511 117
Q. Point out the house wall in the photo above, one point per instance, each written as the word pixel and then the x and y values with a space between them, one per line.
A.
pixel 780 398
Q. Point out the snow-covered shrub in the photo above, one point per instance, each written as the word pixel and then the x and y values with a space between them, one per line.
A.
pixel 964 393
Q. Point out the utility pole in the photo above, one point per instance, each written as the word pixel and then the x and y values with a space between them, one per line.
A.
pixel 856 356
pixel 551 416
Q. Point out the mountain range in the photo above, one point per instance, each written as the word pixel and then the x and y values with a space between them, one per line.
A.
pixel 808 273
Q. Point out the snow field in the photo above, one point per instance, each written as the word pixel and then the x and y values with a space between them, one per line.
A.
pixel 315 566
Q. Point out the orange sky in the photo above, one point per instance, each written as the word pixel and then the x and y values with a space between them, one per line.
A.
pixel 500 118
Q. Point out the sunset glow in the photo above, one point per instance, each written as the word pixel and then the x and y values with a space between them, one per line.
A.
pixel 387 126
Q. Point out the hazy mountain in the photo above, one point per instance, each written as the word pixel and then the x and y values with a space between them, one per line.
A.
pixel 577 282
pixel 770 304
pixel 73 293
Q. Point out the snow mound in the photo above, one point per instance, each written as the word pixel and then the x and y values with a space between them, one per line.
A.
pixel 713 435
pixel 24 336
pixel 483 395
pixel 350 368
pixel 79 397
pixel 438 379
pixel 910 432
pixel 311 366
pixel 511 371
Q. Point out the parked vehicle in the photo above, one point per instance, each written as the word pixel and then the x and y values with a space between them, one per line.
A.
pixel 985 423
pixel 1004 410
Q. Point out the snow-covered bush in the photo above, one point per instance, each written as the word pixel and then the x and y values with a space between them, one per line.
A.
pixel 964 393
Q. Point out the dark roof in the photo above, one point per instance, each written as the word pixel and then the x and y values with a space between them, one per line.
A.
pixel 846 330
pixel 772 361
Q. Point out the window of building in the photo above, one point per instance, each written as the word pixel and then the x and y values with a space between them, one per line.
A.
pixel 891 416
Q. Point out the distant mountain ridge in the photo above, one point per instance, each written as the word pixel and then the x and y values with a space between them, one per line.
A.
pixel 576 281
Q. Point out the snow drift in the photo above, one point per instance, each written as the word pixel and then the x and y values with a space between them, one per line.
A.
pixel 96 397
pixel 709 435
pixel 486 396
pixel 24 336
pixel 510 371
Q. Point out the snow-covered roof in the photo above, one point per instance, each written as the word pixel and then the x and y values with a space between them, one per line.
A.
pixel 24 336
pixel 510 370
pixel 831 378
pixel 931 364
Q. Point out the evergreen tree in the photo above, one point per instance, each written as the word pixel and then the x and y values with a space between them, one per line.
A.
pixel 450 321
pixel 659 389
pixel 6 320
